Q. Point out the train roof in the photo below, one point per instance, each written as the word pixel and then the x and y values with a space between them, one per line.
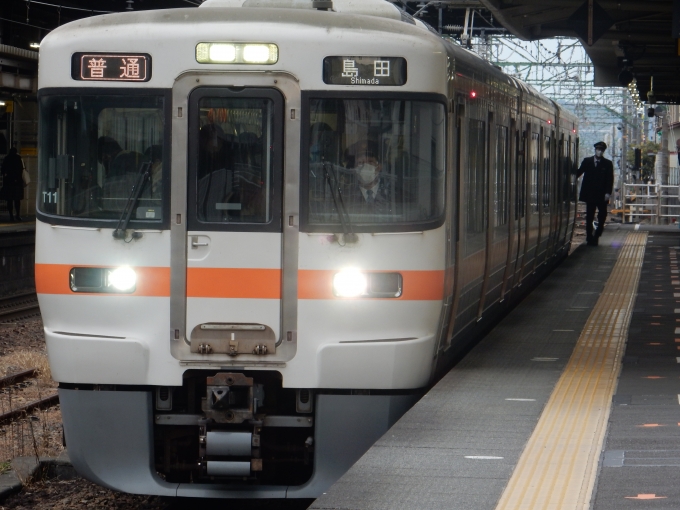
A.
pixel 170 37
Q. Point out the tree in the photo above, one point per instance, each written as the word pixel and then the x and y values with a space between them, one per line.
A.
pixel 646 148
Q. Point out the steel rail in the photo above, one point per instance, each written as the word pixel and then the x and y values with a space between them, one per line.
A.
pixel 12 415
pixel 18 307
pixel 9 380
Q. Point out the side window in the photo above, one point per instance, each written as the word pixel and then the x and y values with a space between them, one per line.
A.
pixel 475 184
pixel 520 176
pixel 533 172
pixel 502 177
pixel 546 174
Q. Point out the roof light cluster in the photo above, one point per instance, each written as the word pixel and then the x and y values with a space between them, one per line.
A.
pixel 634 93
pixel 236 53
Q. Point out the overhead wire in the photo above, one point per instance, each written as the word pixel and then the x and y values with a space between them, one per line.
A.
pixel 61 6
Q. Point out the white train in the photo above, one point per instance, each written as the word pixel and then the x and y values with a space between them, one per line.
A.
pixel 264 227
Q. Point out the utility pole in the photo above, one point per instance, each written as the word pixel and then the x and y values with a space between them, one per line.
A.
pixel 624 142
pixel 663 153
pixel 663 166
pixel 614 153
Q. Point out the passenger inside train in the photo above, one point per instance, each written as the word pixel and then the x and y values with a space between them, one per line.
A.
pixel 393 148
pixel 234 174
pixel 94 149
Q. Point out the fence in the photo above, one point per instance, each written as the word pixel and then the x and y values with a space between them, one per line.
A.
pixel 657 203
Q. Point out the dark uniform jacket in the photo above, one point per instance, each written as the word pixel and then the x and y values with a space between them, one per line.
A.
pixel 356 203
pixel 598 179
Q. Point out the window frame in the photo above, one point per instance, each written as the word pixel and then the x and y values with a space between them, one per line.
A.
pixel 66 92
pixel 352 95
pixel 275 224
pixel 502 194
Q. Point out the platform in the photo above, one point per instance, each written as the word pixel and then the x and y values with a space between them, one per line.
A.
pixel 571 400
pixel 26 225
pixel 17 257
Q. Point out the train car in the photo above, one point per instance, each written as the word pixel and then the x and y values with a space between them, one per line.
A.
pixel 264 227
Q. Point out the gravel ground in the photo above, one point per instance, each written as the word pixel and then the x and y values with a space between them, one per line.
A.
pixel 40 434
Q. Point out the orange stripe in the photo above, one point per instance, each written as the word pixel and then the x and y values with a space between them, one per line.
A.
pixel 234 283
pixel 54 279
pixel 239 283
pixel 418 285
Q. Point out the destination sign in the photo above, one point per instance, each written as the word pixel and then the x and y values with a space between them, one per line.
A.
pixel 376 71
pixel 111 67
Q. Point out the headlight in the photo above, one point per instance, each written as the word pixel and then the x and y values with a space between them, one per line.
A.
pixel 102 280
pixel 122 278
pixel 236 53
pixel 354 283
pixel 349 283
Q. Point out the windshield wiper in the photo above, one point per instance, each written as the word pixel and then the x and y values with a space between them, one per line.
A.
pixel 142 178
pixel 348 235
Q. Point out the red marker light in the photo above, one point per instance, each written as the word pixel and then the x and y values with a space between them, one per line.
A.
pixel 549 121
pixel 473 94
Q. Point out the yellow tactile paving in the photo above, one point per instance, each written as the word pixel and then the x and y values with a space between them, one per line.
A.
pixel 558 467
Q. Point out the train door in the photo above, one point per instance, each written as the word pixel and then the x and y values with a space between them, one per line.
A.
pixel 533 202
pixel 491 175
pixel 520 187
pixel 234 232
pixel 562 191
pixel 234 221
pixel 474 217
pixel 452 204
pixel 456 200
pixel 511 256
pixel 572 198
pixel 546 199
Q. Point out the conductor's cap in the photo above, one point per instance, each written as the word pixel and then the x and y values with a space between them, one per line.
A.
pixel 601 145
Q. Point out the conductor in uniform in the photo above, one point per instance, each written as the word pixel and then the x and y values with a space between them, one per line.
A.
pixel 596 188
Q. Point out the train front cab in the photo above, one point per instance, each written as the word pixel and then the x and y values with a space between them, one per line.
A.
pixel 250 299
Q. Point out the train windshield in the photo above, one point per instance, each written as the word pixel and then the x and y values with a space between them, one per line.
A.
pixel 95 149
pixel 375 164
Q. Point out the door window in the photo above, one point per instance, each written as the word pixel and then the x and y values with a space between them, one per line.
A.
pixel 235 164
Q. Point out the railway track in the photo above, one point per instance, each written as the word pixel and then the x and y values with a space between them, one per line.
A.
pixel 7 382
pixel 21 306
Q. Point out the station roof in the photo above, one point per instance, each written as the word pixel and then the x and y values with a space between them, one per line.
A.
pixel 624 35
pixel 23 23
pixel 618 35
